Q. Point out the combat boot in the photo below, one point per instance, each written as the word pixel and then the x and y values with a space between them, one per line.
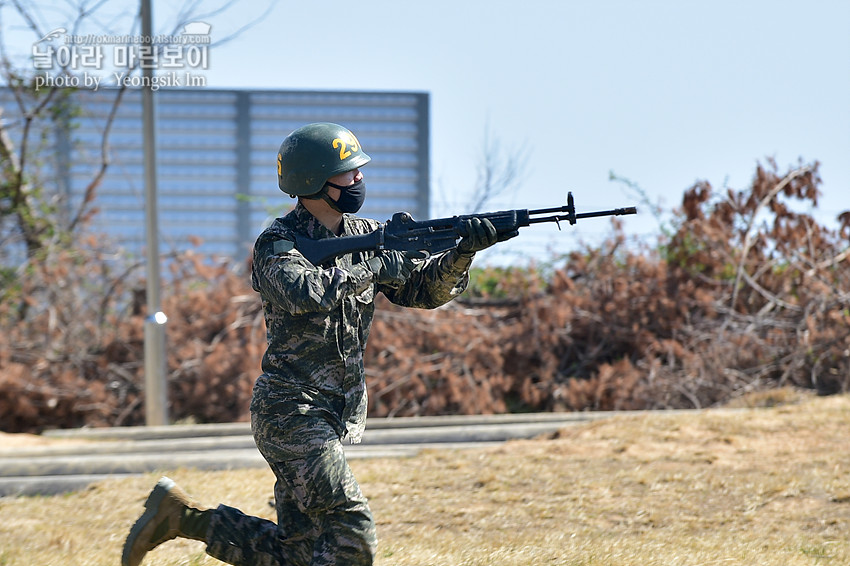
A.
pixel 169 513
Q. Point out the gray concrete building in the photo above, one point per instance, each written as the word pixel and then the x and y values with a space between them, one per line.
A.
pixel 216 152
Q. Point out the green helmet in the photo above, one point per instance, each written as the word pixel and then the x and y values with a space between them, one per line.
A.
pixel 314 153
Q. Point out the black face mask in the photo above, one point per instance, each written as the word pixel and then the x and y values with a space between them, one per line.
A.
pixel 350 199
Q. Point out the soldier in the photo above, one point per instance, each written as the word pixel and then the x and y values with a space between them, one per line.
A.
pixel 312 393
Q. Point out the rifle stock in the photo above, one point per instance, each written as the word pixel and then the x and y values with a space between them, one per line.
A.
pixel 320 251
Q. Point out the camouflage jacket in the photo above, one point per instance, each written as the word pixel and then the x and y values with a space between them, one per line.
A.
pixel 318 318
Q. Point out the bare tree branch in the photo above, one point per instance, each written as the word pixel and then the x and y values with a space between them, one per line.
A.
pixel 32 221
pixel 748 232
pixel 499 171
pixel 89 194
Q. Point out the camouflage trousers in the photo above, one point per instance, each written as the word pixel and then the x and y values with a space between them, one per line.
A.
pixel 322 516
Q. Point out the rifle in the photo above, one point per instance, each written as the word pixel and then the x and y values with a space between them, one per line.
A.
pixel 403 233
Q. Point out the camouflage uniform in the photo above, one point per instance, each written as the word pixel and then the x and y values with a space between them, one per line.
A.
pixel 312 394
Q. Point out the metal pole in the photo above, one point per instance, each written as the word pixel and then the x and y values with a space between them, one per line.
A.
pixel 156 406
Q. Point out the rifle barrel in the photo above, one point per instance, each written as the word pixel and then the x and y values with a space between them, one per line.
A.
pixel 559 217
pixel 613 212
pixel 555 210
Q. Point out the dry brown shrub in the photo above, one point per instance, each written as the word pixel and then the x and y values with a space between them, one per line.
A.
pixel 747 294
pixel 73 341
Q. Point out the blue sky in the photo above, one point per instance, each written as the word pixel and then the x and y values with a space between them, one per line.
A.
pixel 664 93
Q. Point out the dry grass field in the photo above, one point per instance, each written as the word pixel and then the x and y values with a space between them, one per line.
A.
pixel 762 486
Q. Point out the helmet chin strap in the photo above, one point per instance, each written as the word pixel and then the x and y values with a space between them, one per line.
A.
pixel 331 202
pixel 323 194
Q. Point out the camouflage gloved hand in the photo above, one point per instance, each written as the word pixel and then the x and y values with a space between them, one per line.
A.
pixel 393 267
pixel 480 234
